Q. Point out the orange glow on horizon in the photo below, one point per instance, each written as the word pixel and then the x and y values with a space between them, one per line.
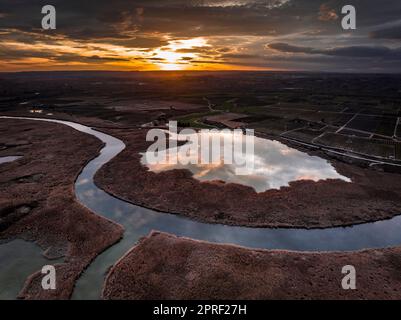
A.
pixel 176 55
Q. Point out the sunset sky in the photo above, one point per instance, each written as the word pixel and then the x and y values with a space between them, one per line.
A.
pixel 201 35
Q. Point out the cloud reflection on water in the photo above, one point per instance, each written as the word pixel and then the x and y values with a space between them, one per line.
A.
pixel 274 165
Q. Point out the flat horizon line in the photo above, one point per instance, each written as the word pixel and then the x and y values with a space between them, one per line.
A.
pixel 202 71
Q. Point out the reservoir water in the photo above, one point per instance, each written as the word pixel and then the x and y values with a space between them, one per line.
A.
pixel 271 164
pixel 138 222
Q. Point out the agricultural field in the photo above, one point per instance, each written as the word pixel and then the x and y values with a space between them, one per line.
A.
pixel 373 147
pixel 374 124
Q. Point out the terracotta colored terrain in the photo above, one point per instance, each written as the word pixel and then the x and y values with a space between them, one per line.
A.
pixel 164 266
pixel 372 196
pixel 37 200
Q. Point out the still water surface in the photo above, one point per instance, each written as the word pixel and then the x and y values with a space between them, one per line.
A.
pixel 271 164
pixel 139 221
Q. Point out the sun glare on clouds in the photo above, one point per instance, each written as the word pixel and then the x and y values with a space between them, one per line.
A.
pixel 169 58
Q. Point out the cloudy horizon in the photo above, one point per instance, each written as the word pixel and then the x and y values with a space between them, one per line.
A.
pixel 303 35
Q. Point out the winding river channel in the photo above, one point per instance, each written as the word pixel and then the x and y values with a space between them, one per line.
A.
pixel 138 222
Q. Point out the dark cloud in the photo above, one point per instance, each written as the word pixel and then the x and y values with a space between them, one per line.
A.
pixel 288 48
pixel 187 58
pixel 139 42
pixel 365 52
pixel 387 33
pixel 350 52
pixel 239 56
pixel 237 29
pixel 18 54
pixel 90 59
pixel 205 49
pixel 123 18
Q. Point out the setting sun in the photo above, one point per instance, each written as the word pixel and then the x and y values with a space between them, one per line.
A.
pixel 170 57
pixel 202 150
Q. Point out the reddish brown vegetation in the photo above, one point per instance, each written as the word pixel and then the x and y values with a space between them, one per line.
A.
pixel 37 200
pixel 163 266
pixel 372 196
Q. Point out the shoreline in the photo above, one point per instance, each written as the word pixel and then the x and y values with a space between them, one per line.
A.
pixel 32 280
pixel 248 273
pixel 372 196
pixel 56 223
